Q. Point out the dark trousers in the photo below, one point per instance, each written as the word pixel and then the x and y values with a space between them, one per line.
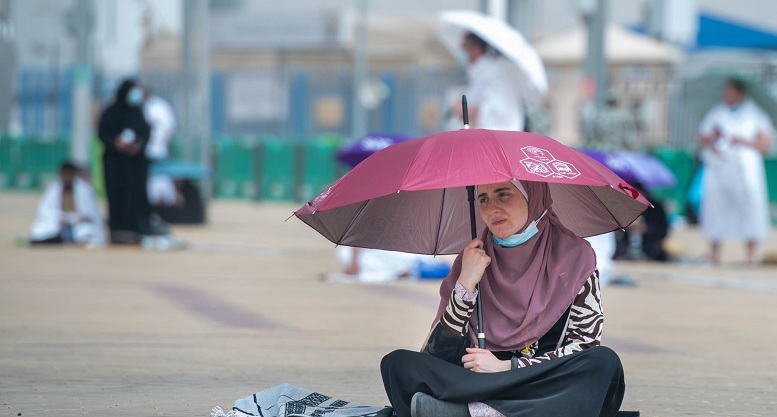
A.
pixel 125 187
pixel 585 384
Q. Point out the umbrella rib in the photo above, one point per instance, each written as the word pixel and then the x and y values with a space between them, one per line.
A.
pixel 439 223
pixel 608 210
pixel 351 223
pixel 409 166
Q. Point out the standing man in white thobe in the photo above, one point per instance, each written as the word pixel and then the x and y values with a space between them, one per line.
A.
pixel 492 100
pixel 159 115
pixel 733 136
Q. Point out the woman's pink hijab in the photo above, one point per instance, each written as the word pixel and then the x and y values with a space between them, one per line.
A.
pixel 526 289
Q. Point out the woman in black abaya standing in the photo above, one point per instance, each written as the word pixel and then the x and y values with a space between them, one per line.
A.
pixel 124 133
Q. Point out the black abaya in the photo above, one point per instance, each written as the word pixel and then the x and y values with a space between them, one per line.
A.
pixel 125 174
pixel 588 383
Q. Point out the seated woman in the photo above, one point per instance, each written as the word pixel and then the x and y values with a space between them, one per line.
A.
pixel 542 318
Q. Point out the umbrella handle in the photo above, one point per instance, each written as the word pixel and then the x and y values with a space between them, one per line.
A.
pixel 464 113
pixel 474 229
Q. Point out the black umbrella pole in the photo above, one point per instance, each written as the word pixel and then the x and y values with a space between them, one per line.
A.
pixel 474 230
pixel 464 112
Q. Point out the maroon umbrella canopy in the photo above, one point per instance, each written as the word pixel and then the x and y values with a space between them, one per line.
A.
pixel 411 197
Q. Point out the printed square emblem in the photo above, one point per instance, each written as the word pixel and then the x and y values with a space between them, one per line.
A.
pixel 541 162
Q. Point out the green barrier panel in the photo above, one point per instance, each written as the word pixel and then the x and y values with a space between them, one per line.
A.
pixel 31 163
pixel 278 170
pixel 244 170
pixel 222 160
pixel 770 165
pixel 25 175
pixel 33 153
pixel 771 178
pixel 332 139
pixel 98 179
pixel 319 169
pixel 225 187
pixel 178 147
pixel 683 164
pixel 7 162
pixel 24 162
pixel 234 169
pixel 47 157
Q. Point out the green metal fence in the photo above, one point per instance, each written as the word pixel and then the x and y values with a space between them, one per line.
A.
pixel 275 169
pixel 233 169
pixel 29 163
pixel 683 164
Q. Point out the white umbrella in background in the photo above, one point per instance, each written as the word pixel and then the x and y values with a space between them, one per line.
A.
pixel 530 77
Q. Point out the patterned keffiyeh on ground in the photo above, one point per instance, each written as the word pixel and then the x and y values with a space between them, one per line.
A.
pixel 286 400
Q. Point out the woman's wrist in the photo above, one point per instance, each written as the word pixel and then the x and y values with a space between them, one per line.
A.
pixel 470 287
pixel 465 294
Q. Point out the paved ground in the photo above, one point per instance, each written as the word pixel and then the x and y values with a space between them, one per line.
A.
pixel 123 332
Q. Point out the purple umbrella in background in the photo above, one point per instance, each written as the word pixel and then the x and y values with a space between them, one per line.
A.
pixel 635 167
pixel 358 151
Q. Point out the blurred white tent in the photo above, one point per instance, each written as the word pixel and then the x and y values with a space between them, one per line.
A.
pixel 639 71
pixel 622 47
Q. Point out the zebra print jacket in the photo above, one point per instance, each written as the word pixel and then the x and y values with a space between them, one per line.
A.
pixel 579 328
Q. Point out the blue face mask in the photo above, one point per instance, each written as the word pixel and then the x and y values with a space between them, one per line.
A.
pixel 462 58
pixel 520 238
pixel 135 96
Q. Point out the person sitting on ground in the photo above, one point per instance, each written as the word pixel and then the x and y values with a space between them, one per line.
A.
pixel 644 239
pixel 542 317
pixel 373 266
pixel 68 212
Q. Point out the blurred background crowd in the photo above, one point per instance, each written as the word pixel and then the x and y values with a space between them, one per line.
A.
pixel 263 94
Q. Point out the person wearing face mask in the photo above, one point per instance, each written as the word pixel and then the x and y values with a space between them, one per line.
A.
pixel 733 137
pixel 492 104
pixel 543 321
pixel 124 132
pixel 68 212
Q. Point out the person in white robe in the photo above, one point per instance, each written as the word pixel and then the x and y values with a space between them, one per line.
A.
pixel 733 137
pixel 68 212
pixel 161 188
pixel 604 249
pixel 374 266
pixel 159 115
pixel 492 101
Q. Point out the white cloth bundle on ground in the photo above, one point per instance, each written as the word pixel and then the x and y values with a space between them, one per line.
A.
pixel 286 400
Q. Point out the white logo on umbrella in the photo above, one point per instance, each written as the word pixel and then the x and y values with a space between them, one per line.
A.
pixel 541 162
